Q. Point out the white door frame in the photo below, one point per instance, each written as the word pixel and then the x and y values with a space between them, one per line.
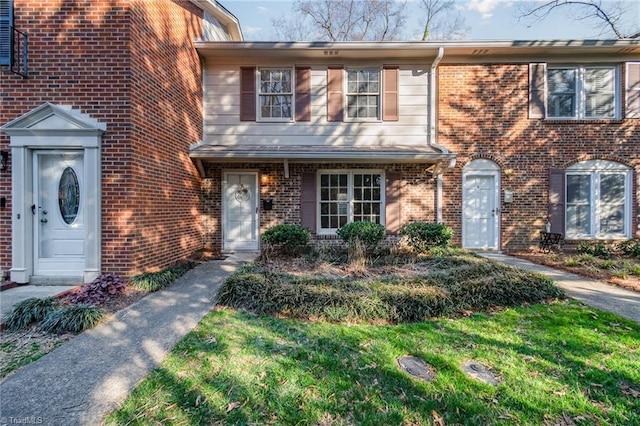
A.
pixel 483 167
pixel 53 128
pixel 226 246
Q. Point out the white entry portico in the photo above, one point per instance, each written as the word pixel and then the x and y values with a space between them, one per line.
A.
pixel 56 201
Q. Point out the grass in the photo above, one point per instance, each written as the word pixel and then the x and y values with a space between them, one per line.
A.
pixel 558 362
pixel 554 361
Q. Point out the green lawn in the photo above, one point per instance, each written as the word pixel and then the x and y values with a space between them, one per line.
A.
pixel 557 363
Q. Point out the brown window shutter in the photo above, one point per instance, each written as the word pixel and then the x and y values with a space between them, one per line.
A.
pixel 308 205
pixel 393 189
pixel 556 200
pixel 537 82
pixel 390 82
pixel 247 94
pixel 303 94
pixel 335 95
pixel 633 90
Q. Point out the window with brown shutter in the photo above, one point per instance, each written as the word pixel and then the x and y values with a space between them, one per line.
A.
pixel 390 82
pixel 633 90
pixel 303 94
pixel 392 202
pixel 335 94
pixel 537 79
pixel 556 212
pixel 247 94
pixel 308 197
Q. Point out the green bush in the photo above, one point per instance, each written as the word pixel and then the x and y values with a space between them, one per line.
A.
pixel 29 311
pixel 368 233
pixel 287 238
pixel 154 281
pixel 422 236
pixel 630 247
pixel 71 319
pixel 598 249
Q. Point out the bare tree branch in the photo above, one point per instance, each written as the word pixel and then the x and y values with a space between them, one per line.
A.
pixel 442 21
pixel 609 15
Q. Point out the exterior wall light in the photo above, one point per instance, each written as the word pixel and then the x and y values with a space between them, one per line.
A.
pixel 4 160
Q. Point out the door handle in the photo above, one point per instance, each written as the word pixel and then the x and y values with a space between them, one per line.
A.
pixel 33 209
pixel 44 220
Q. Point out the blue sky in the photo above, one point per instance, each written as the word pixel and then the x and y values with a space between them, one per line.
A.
pixel 488 19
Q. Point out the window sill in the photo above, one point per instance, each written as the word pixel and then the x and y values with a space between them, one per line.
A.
pixel 565 121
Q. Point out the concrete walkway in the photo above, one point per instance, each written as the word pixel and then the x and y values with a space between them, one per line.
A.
pixel 597 294
pixel 89 376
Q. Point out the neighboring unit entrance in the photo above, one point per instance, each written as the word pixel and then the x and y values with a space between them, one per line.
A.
pixel 480 199
pixel 240 211
pixel 57 212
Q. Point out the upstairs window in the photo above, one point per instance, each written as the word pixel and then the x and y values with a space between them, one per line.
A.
pixel 363 94
pixel 582 92
pixel 275 94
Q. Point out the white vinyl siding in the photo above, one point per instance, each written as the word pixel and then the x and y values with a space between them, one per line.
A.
pixel 222 110
pixel 349 196
pixel 582 92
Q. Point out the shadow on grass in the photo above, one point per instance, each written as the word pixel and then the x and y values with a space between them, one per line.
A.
pixel 239 368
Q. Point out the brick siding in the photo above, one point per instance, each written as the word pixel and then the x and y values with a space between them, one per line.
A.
pixel 483 113
pixel 131 65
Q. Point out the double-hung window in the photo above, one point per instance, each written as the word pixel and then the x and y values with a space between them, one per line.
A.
pixel 582 92
pixel 597 200
pixel 350 196
pixel 363 94
pixel 275 94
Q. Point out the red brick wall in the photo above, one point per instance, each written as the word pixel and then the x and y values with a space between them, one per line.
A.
pixel 166 100
pixel 483 113
pixel 131 65
pixel 417 193
pixel 78 56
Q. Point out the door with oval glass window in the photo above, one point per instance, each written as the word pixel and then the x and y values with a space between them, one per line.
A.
pixel 57 211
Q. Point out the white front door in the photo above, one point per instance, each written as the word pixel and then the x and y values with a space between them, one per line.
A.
pixel 240 211
pixel 58 214
pixel 480 216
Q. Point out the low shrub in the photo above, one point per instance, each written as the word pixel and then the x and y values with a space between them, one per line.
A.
pixel 455 284
pixel 286 238
pixel 368 233
pixel 597 249
pixel 422 236
pixel 154 281
pixel 630 247
pixel 102 289
pixel 29 311
pixel 71 319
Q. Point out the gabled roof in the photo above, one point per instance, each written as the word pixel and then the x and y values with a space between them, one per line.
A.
pixel 225 17
pixel 49 118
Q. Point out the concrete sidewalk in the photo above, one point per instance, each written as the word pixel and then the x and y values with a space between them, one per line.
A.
pixel 597 294
pixel 89 376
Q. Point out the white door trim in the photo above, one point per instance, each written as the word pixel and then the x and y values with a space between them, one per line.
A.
pixel 228 245
pixel 53 127
pixel 483 167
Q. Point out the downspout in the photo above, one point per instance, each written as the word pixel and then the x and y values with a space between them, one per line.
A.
pixel 432 135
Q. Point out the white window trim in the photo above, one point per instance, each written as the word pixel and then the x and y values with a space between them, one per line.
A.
pixel 594 168
pixel 580 91
pixel 345 83
pixel 259 116
pixel 349 173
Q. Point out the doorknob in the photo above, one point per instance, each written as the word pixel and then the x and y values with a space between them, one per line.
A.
pixel 33 209
pixel 44 220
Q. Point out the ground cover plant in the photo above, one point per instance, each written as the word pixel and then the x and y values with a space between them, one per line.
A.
pixel 557 364
pixel 37 326
pixel 617 263
pixel 398 289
